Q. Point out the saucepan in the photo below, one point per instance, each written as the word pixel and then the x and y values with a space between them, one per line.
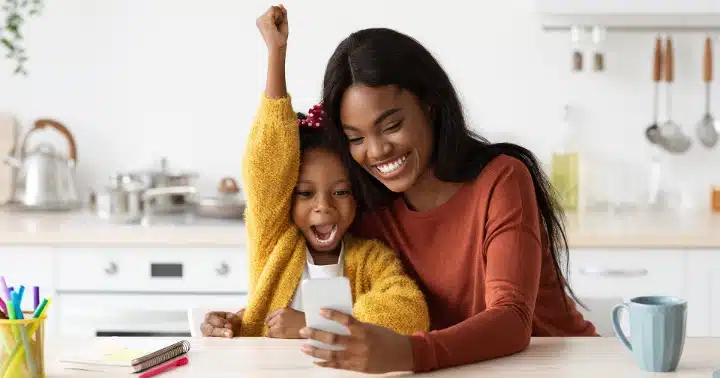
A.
pixel 226 204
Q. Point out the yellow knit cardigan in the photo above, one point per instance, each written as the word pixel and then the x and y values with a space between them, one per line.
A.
pixel 382 293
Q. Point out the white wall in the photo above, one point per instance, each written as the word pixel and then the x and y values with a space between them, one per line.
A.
pixel 140 79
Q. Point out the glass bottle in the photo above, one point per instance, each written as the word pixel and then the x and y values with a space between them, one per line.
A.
pixel 565 168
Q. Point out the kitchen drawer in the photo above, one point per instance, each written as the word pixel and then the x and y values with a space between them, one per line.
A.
pixel 627 272
pixel 179 270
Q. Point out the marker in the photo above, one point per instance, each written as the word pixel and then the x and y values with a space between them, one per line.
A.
pixel 4 289
pixel 36 297
pixel 20 293
pixel 41 308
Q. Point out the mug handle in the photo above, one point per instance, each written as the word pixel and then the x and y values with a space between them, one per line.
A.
pixel 616 324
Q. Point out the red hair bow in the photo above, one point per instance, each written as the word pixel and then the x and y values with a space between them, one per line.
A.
pixel 315 117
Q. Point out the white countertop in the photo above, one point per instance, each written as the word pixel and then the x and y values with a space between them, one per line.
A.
pixel 584 231
pixel 546 357
pixel 84 229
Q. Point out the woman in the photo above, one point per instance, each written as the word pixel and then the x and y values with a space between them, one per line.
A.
pixel 475 223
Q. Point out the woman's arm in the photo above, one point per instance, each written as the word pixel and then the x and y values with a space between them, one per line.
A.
pixel 514 257
pixel 390 298
pixel 272 158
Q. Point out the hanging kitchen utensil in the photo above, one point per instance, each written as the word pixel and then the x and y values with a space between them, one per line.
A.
pixel 653 131
pixel 8 137
pixel 46 180
pixel 598 34
pixel 577 56
pixel 227 204
pixel 676 141
pixel 706 129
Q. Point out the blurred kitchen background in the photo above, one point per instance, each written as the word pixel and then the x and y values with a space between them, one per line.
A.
pixel 137 82
pixel 158 96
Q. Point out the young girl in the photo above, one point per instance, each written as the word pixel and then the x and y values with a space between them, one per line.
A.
pixel 300 205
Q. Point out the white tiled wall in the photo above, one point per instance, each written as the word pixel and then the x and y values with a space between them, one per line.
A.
pixel 138 79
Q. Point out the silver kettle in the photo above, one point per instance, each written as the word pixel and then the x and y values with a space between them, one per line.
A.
pixel 44 179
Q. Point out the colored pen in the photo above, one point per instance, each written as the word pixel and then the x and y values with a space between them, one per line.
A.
pixel 18 310
pixel 36 297
pixel 4 289
pixel 165 367
pixel 39 310
pixel 3 306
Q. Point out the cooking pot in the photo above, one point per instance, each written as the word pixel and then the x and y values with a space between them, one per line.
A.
pixel 120 202
pixel 150 195
pixel 165 202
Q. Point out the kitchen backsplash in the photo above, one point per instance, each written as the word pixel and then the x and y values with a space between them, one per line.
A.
pixel 138 80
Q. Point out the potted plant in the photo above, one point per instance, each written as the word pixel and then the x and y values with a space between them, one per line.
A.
pixel 15 13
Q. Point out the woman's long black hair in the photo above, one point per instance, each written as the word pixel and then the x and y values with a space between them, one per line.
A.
pixel 379 56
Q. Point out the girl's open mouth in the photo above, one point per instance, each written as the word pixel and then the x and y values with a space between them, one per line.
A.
pixel 325 233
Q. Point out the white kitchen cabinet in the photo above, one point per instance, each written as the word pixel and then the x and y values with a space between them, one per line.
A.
pixel 190 270
pixel 136 314
pixel 604 277
pixel 29 266
pixel 144 291
pixel 111 290
pixel 704 291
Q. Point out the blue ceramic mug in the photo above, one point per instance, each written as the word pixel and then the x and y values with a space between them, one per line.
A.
pixel 657 331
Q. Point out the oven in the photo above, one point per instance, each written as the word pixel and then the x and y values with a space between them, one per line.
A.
pixel 144 293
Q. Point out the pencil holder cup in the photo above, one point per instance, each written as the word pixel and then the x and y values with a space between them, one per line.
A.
pixel 22 348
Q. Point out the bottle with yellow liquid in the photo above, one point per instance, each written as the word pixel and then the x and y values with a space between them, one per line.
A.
pixel 565 169
pixel 565 178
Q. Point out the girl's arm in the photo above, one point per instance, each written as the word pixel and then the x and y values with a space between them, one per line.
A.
pixel 272 158
pixel 390 298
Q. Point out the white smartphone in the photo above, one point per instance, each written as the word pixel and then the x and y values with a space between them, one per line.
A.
pixel 332 293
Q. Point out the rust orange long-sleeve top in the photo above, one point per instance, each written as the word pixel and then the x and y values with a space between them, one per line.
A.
pixel 484 265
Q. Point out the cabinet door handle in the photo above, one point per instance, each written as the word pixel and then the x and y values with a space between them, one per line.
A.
pixel 611 272
pixel 111 269
pixel 223 270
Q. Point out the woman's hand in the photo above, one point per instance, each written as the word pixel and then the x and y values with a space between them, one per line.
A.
pixel 368 348
pixel 273 25
pixel 222 324
pixel 285 323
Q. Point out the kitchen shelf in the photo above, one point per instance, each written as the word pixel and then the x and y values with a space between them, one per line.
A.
pixel 645 16
pixel 634 23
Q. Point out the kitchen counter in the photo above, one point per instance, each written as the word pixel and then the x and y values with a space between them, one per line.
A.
pixel 546 357
pixel 629 230
pixel 643 230
pixel 84 229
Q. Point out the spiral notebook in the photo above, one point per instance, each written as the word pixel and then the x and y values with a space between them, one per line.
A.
pixel 122 355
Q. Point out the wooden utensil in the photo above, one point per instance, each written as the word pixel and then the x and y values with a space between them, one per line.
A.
pixel 706 129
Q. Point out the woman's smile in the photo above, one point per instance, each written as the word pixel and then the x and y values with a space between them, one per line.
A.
pixel 391 168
